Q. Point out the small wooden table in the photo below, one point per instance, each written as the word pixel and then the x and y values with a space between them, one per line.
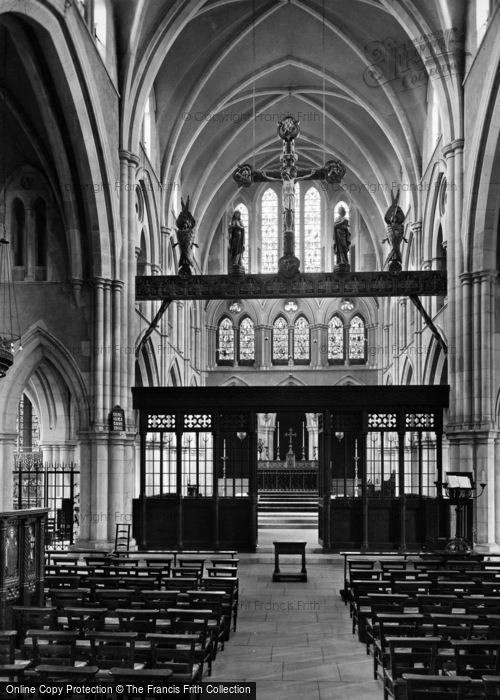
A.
pixel 289 548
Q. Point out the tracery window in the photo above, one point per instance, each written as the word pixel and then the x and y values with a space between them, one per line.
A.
pixel 336 340
pixel 243 209
pixel 312 230
pixel 246 344
pixel 269 231
pixel 280 349
pixel 40 215
pixel 19 223
pixel 225 342
pixel 357 340
pixel 301 341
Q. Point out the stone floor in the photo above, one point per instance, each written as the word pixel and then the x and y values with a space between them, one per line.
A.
pixel 294 639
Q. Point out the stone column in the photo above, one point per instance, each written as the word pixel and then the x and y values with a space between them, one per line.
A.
pixel 7 448
pixel 453 153
pixel 211 350
pixel 98 353
pixel 317 335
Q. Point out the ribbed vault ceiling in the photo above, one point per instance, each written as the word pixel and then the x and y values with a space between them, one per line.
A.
pixel 223 70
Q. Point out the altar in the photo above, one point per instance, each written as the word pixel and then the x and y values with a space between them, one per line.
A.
pixel 274 475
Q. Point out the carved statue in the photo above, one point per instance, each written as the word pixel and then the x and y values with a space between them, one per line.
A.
pixel 185 223
pixel 341 239
pixel 236 243
pixel 394 218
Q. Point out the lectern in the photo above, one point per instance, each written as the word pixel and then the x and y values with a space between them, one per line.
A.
pixel 460 487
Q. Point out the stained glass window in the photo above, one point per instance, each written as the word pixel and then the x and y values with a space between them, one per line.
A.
pixel 336 351
pixel 247 341
pixel 269 231
pixel 301 340
pixel 312 231
pixel 357 338
pixel 243 209
pixel 280 340
pixel 225 342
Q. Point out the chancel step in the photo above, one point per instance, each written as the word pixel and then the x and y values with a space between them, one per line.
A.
pixel 288 510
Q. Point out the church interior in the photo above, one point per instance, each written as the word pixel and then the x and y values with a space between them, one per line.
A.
pixel 249 273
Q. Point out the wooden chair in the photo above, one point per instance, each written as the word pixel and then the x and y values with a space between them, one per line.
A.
pixel 476 657
pixel 379 603
pixel 392 625
pixel 353 567
pixel 411 588
pixel 54 647
pixel 358 596
pixel 220 621
pixel 230 588
pixel 139 678
pixel 10 668
pixel 70 674
pixel 195 622
pixel 62 582
pixel 436 687
pixel 140 620
pixel 427 564
pixel 68 597
pixel 460 588
pixel 226 563
pixel 177 653
pixel 181 583
pixel 112 649
pixel 112 598
pixel 85 619
pixel 443 604
pixel 162 600
pixel 416 655
pixel 191 563
pixel 32 617
pixel 491 687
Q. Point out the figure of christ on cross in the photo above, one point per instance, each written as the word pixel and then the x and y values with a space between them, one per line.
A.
pixel 290 435
pixel 333 171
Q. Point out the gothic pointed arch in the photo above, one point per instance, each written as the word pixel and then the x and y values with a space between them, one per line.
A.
pixel 226 345
pixel 336 336
pixel 280 342
pixel 246 341
pixel 301 340
pixel 357 340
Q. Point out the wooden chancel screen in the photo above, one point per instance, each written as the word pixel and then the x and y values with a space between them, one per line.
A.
pixel 379 463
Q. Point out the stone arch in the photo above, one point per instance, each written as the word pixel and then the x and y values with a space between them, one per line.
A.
pixel 75 85
pixel 51 371
pixel 174 375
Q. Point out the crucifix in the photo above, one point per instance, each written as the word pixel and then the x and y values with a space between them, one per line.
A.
pixel 290 435
pixel 288 174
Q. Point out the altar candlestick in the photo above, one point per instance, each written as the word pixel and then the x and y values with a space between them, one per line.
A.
pixel 224 448
pixel 355 449
pixel 303 435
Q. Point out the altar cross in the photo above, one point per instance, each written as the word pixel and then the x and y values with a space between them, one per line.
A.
pixel 289 174
pixel 290 435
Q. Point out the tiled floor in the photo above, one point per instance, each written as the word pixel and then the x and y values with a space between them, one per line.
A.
pixel 294 639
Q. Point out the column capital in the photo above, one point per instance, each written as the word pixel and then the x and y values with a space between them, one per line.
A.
pixel 117 285
pixel 129 157
pixel 452 146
